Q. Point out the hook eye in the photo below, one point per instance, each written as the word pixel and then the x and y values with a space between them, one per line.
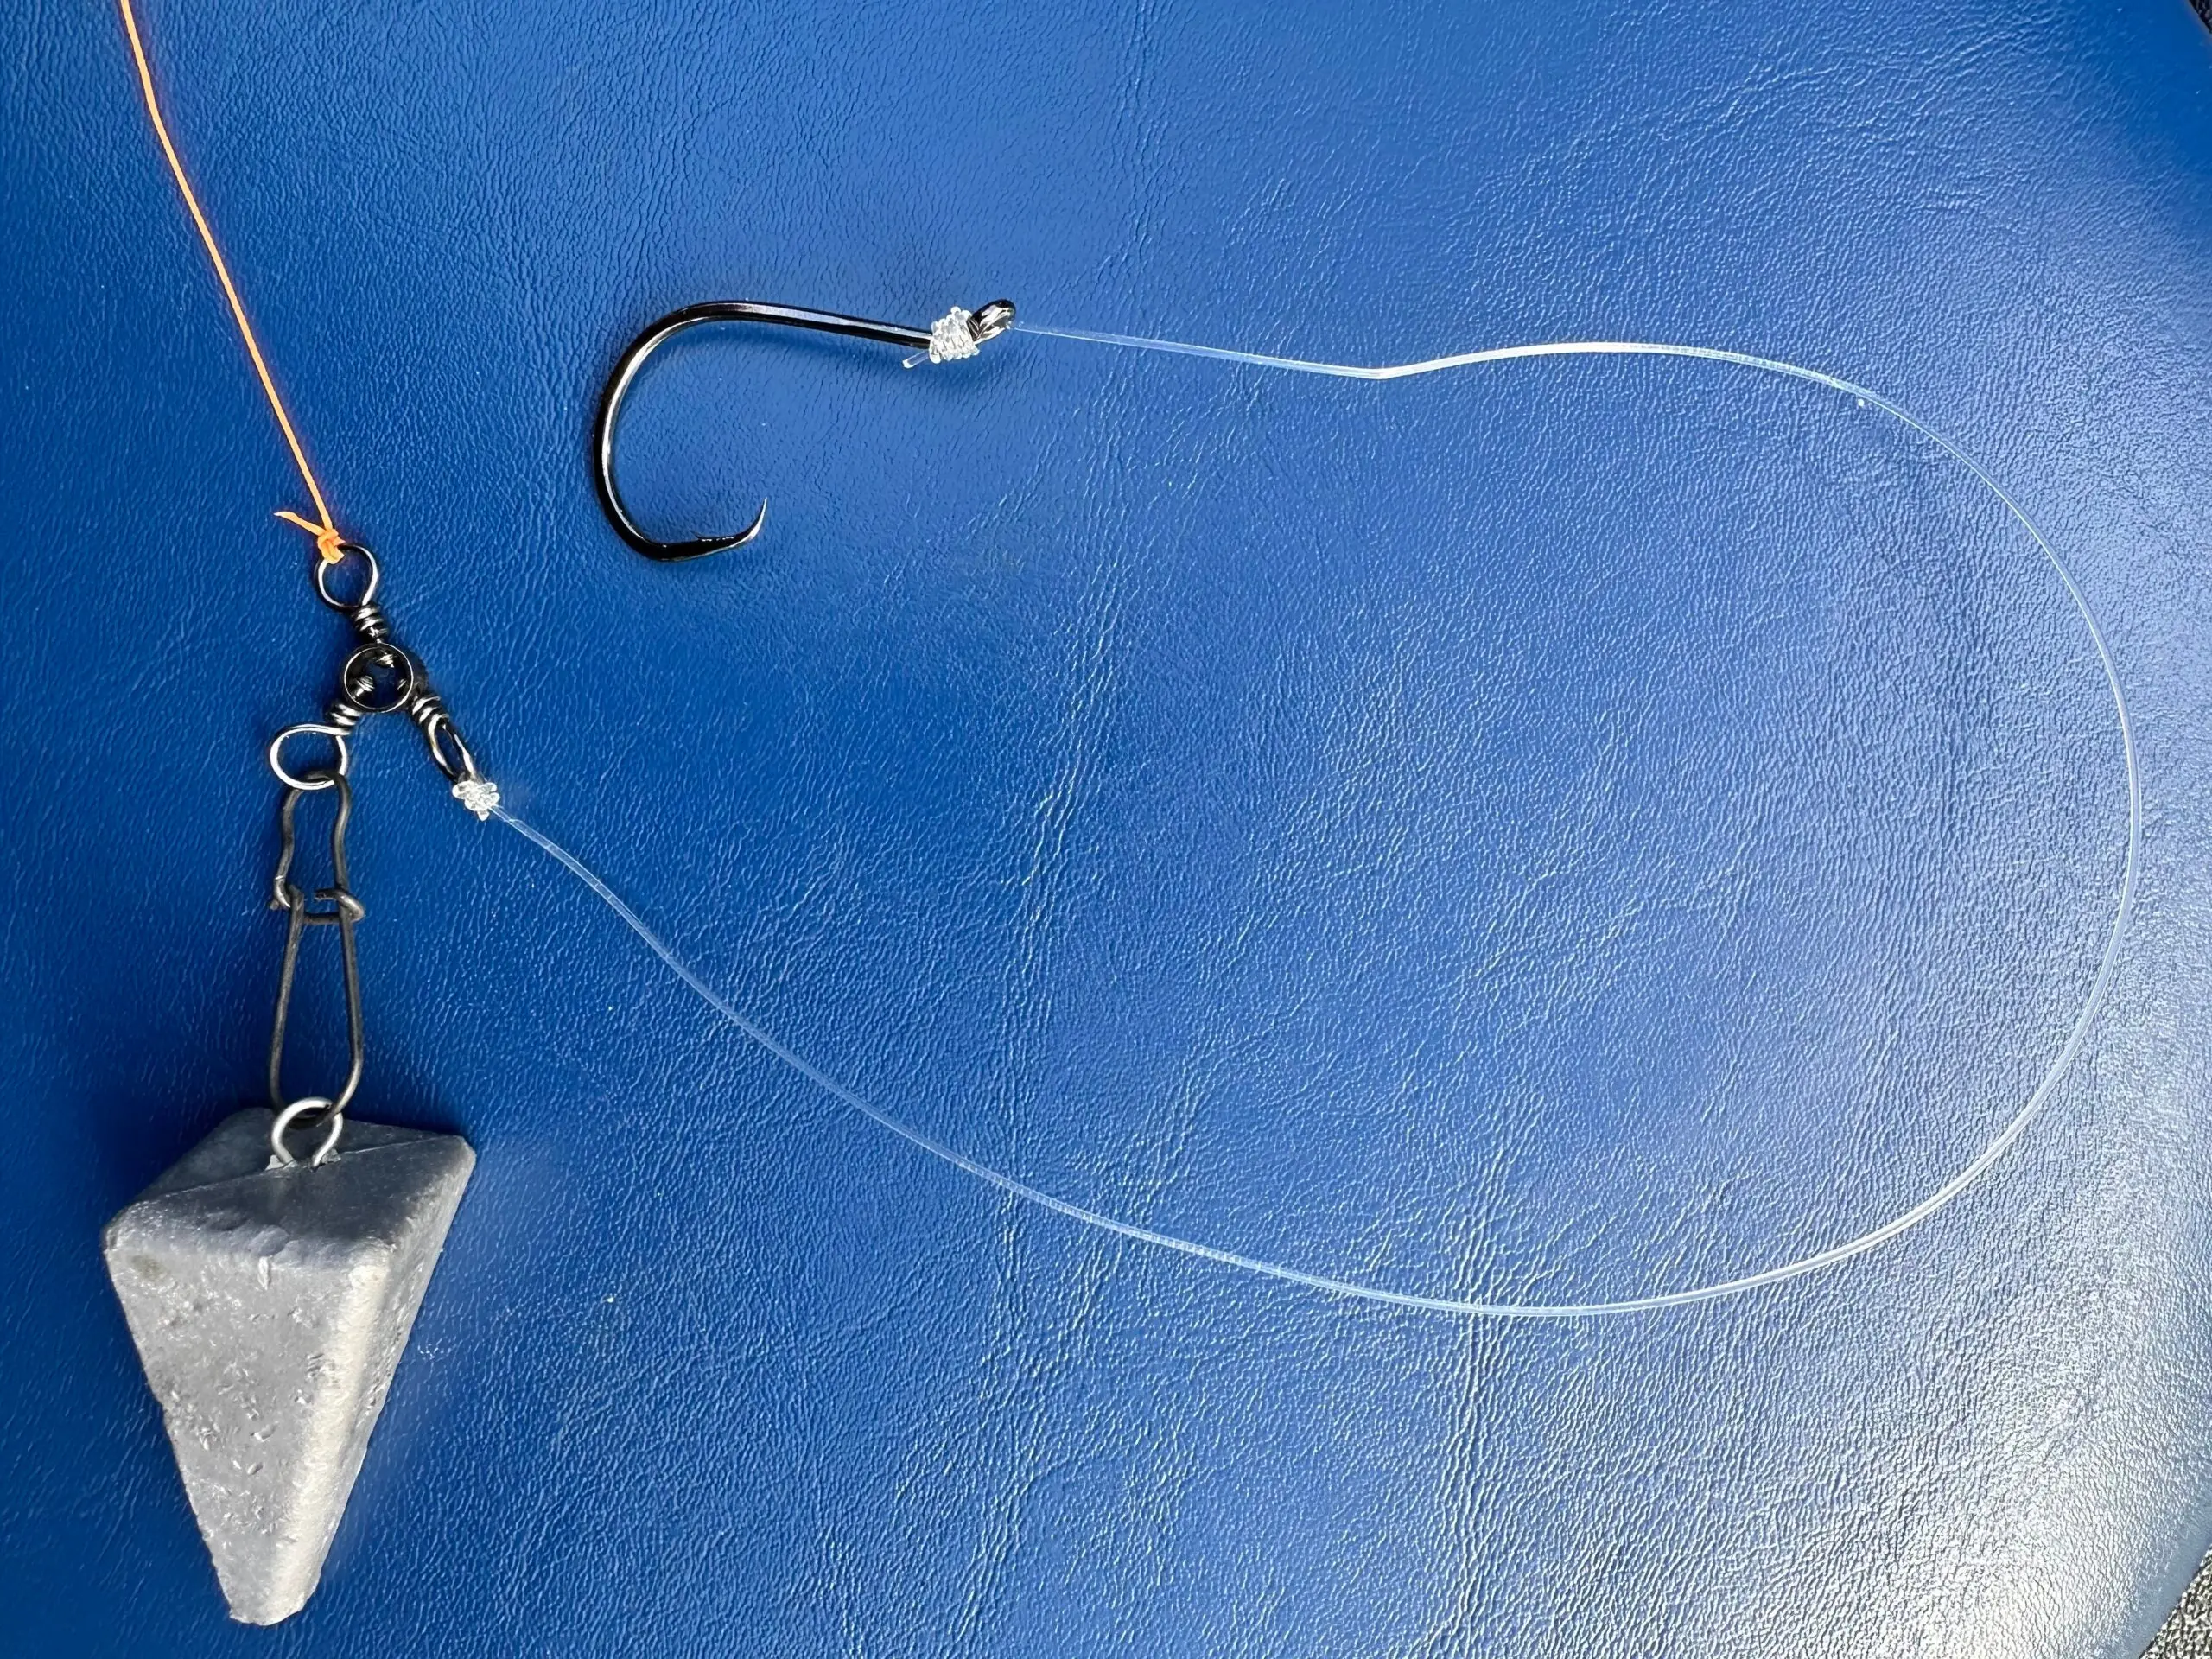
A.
pixel 993 318
pixel 991 321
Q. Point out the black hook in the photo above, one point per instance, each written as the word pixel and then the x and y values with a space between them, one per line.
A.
pixel 993 318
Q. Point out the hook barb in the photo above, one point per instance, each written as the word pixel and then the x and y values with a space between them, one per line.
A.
pixel 993 318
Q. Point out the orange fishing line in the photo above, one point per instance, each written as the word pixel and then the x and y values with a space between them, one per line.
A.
pixel 327 538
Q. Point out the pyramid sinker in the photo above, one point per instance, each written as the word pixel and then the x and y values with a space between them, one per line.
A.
pixel 270 1307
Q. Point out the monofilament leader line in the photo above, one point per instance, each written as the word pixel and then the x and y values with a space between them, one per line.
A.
pixel 957 335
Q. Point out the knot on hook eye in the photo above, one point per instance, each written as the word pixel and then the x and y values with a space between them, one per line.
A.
pixel 957 334
pixel 961 333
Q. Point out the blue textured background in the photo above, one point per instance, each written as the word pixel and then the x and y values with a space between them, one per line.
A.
pixel 1565 831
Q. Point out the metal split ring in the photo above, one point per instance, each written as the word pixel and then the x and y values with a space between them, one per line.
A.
pixel 282 1155
pixel 321 779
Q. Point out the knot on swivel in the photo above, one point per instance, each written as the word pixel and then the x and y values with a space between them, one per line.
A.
pixel 327 541
pixel 479 794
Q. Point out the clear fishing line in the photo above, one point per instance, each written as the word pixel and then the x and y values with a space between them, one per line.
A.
pixel 2077 1035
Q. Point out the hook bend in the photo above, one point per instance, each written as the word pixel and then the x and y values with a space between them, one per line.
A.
pixel 993 318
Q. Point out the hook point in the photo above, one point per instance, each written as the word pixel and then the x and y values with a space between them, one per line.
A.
pixel 677 552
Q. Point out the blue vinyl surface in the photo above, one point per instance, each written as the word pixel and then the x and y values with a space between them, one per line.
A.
pixel 1555 831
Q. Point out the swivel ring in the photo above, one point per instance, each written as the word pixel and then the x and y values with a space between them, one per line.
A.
pixel 377 678
pixel 350 551
pixel 281 1155
pixel 438 730
pixel 318 779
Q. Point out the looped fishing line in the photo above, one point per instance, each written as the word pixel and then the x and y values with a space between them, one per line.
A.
pixel 328 544
pixel 2011 1131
